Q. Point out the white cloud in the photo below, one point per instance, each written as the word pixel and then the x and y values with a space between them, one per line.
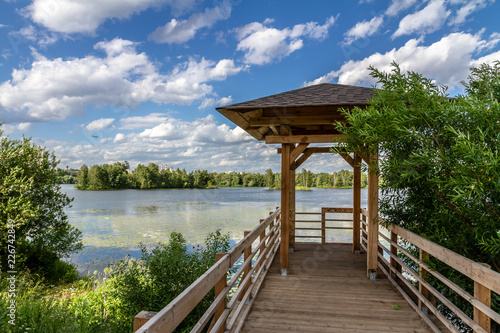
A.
pixel 210 102
pixel 181 31
pixel 99 124
pixel 17 128
pixel 398 6
pixel 263 44
pixel 76 16
pixel 363 29
pixel 427 20
pixel 447 60
pixel 467 9
pixel 123 77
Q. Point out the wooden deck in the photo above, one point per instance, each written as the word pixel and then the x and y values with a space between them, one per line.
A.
pixel 327 291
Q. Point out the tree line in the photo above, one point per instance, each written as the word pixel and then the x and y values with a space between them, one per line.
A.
pixel 117 176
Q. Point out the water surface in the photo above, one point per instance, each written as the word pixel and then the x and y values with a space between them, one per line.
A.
pixel 113 223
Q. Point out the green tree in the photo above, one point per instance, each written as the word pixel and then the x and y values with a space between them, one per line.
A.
pixel 32 205
pixel 440 160
pixel 82 177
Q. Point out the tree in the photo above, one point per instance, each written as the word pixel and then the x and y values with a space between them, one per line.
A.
pixel 32 205
pixel 440 159
pixel 82 177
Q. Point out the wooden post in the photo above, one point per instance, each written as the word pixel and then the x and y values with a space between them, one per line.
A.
pixel 262 247
pixel 285 207
pixel 483 294
pixel 394 250
pixel 363 228
pixel 323 226
pixel 292 210
pixel 246 254
pixel 372 246
pixel 219 287
pixel 424 257
pixel 142 318
pixel 356 247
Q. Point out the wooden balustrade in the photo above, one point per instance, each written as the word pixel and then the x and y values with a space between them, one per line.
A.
pixel 400 273
pixel 224 314
pixel 321 224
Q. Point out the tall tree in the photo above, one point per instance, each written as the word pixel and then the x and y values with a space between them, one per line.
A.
pixel 32 206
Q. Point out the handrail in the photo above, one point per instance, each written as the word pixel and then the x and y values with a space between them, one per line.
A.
pixel 322 228
pixel 484 278
pixel 174 313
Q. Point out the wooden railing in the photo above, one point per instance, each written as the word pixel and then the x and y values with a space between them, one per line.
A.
pixel 321 226
pixel 409 281
pixel 225 314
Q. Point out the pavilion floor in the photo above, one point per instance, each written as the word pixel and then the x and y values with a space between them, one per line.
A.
pixel 327 291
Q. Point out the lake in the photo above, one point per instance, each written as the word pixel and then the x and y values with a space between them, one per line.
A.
pixel 113 223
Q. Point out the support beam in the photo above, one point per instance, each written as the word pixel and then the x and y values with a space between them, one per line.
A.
pixel 304 157
pixel 318 138
pixel 372 246
pixel 285 208
pixel 348 159
pixel 319 150
pixel 297 151
pixel 356 212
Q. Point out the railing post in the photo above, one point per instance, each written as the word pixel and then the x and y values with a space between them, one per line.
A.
pixel 356 209
pixel 262 247
pixel 363 227
pixel 246 254
pixel 394 250
pixel 424 257
pixel 483 294
pixel 323 225
pixel 219 287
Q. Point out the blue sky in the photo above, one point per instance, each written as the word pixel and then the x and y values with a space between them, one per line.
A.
pixel 100 81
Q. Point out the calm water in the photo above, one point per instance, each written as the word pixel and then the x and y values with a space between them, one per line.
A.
pixel 113 223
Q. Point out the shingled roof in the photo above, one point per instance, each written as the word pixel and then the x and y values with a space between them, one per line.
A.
pixel 299 114
pixel 324 94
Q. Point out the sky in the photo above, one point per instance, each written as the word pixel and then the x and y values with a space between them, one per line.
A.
pixel 101 81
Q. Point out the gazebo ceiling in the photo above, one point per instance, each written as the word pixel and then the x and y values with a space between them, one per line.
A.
pixel 301 115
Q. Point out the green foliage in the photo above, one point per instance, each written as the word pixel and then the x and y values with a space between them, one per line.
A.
pixel 108 302
pixel 32 205
pixel 439 159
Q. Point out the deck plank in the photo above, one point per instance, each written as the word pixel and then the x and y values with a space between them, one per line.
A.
pixel 327 291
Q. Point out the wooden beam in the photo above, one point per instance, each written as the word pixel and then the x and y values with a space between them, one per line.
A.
pixel 285 208
pixel 348 159
pixel 319 150
pixel 304 157
pixel 275 131
pixel 297 151
pixel 285 130
pixel 356 209
pixel 292 209
pixel 372 223
pixel 318 138
pixel 295 120
pixel 483 294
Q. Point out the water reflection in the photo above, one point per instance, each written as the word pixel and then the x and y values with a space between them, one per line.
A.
pixel 113 223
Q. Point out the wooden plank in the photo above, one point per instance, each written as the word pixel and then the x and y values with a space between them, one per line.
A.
pixel 323 295
pixel 424 257
pixel 318 138
pixel 394 251
pixel 356 247
pixel 483 294
pixel 246 255
pixel 372 223
pixel 335 210
pixel 285 207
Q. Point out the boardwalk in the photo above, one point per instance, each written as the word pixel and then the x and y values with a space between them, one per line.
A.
pixel 328 291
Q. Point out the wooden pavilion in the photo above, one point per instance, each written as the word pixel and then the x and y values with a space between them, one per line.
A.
pixel 297 120
pixel 334 294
